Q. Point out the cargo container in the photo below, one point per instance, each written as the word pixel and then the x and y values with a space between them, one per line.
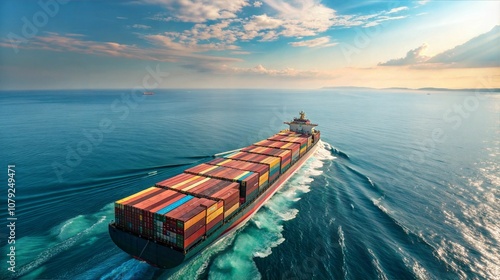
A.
pixel 272 161
pixel 179 217
pixel 248 180
pixel 284 155
pixel 261 169
pixel 293 147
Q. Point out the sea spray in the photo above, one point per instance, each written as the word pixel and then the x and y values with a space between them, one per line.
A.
pixel 60 238
pixel 265 231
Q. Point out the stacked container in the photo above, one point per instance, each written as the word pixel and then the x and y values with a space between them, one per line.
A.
pixel 249 181
pixel 261 169
pixel 272 161
pixel 285 155
pixel 225 192
pixel 292 139
pixel 164 215
pixel 293 147
pixel 183 209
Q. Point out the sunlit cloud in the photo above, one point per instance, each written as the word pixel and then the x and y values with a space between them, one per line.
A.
pixel 478 52
pixel 200 10
pixel 318 42
pixel 415 56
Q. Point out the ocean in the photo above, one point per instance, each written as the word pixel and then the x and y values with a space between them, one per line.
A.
pixel 405 184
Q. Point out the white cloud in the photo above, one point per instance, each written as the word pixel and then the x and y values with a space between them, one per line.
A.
pixel 479 52
pixel 379 19
pixel 240 52
pixel 200 10
pixel 414 56
pixel 284 73
pixel 169 51
pixel 181 42
pixel 262 22
pixel 318 42
pixel 257 4
pixel 397 10
pixel 141 26
pixel 295 18
pixel 421 3
pixel 303 17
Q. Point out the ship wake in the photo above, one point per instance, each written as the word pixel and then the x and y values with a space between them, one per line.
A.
pixel 265 229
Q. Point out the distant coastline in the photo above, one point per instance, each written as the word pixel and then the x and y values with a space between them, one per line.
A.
pixel 422 89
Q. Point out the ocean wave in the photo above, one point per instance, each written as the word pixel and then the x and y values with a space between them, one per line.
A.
pixel 64 236
pixel 338 152
pixel 129 270
pixel 376 263
pixel 419 272
pixel 367 180
pixel 289 214
pixel 343 248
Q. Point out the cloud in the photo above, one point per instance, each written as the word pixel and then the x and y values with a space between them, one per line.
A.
pixel 141 26
pixel 397 10
pixel 296 18
pixel 240 52
pixel 262 22
pixel 257 4
pixel 200 38
pixel 303 18
pixel 260 70
pixel 478 52
pixel 200 10
pixel 169 51
pixel 481 51
pixel 380 19
pixel 414 56
pixel 171 41
pixel 318 42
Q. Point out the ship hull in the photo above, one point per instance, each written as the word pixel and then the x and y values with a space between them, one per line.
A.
pixel 163 256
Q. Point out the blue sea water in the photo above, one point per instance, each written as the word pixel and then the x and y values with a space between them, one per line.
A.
pixel 404 186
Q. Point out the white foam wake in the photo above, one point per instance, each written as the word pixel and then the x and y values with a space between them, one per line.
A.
pixel 78 230
pixel 265 231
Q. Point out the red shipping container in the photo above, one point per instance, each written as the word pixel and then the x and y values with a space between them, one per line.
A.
pixel 191 240
pixel 215 223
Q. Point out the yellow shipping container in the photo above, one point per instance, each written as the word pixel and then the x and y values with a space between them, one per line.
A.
pixel 195 219
pixel 212 209
pixel 187 188
pixel 124 200
pixel 215 214
pixel 273 161
pixel 263 178
pixel 176 186
pixel 208 169
pixel 224 162
pixel 241 175
pixel 230 211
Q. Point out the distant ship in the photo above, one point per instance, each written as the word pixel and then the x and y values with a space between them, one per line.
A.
pixel 148 93
pixel 177 218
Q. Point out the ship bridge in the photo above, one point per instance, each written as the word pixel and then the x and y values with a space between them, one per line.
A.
pixel 301 124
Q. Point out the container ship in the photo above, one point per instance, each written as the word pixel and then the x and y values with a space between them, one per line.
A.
pixel 177 218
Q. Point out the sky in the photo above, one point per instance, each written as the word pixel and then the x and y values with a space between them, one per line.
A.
pixel 62 44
